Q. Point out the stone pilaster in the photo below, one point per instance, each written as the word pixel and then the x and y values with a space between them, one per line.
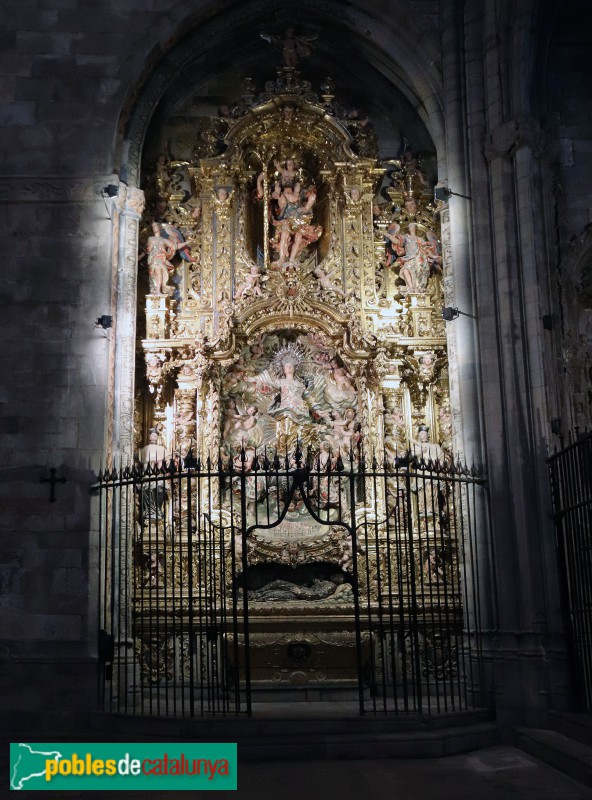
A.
pixel 125 323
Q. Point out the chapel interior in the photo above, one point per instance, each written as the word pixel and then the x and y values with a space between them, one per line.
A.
pixel 298 385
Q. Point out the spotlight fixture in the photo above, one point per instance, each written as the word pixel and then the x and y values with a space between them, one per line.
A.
pixel 444 193
pixel 449 313
pixel 104 322
pixel 108 192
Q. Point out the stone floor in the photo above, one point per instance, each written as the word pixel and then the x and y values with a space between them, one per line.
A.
pixel 496 773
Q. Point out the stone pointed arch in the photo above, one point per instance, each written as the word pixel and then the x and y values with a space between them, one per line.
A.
pixel 399 46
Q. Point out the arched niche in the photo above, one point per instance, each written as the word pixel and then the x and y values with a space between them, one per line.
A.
pixel 192 79
pixel 355 48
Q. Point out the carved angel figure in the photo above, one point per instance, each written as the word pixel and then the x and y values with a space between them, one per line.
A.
pixel 326 283
pixel 395 246
pixel 415 256
pixel 252 283
pixel 288 173
pixel 165 242
pixel 242 428
pixel 159 251
pixel 415 269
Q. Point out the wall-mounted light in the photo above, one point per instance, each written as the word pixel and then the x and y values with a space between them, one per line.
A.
pixel 104 322
pixel 444 193
pixel 449 313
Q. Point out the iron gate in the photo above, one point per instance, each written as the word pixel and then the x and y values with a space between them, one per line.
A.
pixel 571 482
pixel 390 584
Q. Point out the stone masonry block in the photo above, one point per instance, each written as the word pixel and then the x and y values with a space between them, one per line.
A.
pixel 97 65
pixel 7 89
pixel 58 4
pixel 43 42
pixel 19 5
pixel 49 217
pixel 9 424
pixel 18 218
pixel 12 64
pixel 7 41
pixel 574 111
pixel 7 244
pixel 52 66
pixel 69 163
pixel 21 113
pixel 11 571
pixel 56 112
pixel 109 90
pixel 108 43
pixel 69 249
pixel 123 7
pixel 66 292
pixel 29 162
pixel 73 89
pixel 102 20
pixel 69 586
pixel 35 138
pixel 34 88
pixel 37 425
pixel 19 625
pixel 42 265
pixel 95 138
pixel 583 147
pixel 58 313
pixel 21 19
pixel 68 439
pixel 69 537
pixel 64 558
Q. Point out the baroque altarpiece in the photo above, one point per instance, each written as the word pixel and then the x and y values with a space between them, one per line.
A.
pixel 293 288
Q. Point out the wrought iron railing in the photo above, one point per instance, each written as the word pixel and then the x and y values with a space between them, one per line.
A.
pixel 571 481
pixel 223 582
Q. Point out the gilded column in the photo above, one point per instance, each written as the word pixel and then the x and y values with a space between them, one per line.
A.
pixel 222 250
pixel 207 255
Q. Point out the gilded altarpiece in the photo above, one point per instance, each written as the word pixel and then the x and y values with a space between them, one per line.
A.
pixel 289 310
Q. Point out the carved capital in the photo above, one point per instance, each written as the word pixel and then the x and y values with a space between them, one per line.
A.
pixel 135 201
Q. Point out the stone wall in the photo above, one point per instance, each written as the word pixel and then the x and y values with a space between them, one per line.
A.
pixel 63 81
